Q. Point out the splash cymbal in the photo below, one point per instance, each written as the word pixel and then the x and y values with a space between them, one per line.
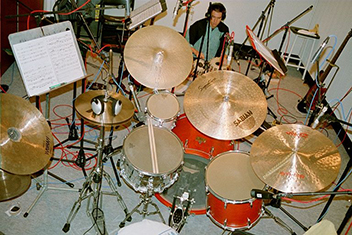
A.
pixel 12 186
pixel 84 109
pixel 26 139
pixel 295 158
pixel 158 57
pixel 225 105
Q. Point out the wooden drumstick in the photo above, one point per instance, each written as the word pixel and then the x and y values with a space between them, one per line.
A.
pixel 152 146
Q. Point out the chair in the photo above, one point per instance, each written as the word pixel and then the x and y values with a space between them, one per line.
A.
pixel 112 27
pixel 312 38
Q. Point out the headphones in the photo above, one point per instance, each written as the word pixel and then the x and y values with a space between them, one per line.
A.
pixel 217 7
pixel 98 105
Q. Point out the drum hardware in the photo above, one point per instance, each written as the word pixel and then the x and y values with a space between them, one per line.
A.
pixel 232 103
pixel 180 210
pixel 91 190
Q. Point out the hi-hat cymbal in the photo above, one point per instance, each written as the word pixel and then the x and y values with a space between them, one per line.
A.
pixel 225 105
pixel 12 186
pixel 158 57
pixel 295 158
pixel 26 139
pixel 84 108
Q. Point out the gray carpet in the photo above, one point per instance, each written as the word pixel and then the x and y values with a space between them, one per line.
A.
pixel 49 214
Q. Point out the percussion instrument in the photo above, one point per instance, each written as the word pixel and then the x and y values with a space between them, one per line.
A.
pixel 199 148
pixel 158 57
pixel 225 105
pixel 12 186
pixel 26 139
pixel 163 108
pixel 136 163
pixel 107 118
pixel 295 158
pixel 229 179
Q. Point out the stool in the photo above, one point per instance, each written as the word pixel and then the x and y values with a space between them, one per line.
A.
pixel 306 37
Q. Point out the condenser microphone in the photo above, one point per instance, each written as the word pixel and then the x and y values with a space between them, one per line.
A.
pixel 320 50
pixel 319 118
pixel 261 194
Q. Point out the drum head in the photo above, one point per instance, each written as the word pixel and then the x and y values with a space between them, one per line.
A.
pixel 163 105
pixel 230 176
pixel 191 180
pixel 169 150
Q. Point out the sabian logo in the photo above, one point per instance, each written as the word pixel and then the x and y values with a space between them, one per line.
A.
pixel 201 88
pixel 302 135
pixel 243 118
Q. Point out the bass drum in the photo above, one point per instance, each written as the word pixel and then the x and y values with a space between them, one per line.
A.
pixel 229 179
pixel 198 148
pixel 136 163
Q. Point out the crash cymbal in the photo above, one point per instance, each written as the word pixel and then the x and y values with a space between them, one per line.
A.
pixel 225 105
pixel 84 108
pixel 12 186
pixel 295 158
pixel 158 57
pixel 26 139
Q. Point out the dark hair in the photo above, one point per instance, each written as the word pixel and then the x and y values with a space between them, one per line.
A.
pixel 216 7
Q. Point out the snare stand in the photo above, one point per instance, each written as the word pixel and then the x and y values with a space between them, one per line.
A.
pixel 92 190
pixel 146 199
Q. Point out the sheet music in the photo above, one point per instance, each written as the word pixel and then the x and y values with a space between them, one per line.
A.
pixel 47 62
pixel 146 12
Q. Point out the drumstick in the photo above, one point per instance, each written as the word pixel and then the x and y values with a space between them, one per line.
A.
pixel 152 146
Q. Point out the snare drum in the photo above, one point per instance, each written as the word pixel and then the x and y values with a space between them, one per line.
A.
pixel 136 163
pixel 229 179
pixel 198 149
pixel 164 109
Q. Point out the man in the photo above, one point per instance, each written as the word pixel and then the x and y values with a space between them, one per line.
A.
pixel 208 34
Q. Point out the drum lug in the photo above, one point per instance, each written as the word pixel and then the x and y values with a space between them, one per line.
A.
pixel 186 143
pixel 225 204
pixel 249 222
pixel 225 223
pixel 251 203
pixel 211 151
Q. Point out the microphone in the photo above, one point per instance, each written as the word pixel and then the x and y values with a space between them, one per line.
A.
pixel 319 118
pixel 177 7
pixel 320 50
pixel 261 194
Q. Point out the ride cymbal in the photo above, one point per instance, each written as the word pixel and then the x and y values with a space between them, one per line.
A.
pixel 107 118
pixel 12 186
pixel 158 57
pixel 225 105
pixel 295 158
pixel 26 139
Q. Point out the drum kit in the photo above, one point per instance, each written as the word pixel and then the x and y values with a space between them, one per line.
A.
pixel 188 161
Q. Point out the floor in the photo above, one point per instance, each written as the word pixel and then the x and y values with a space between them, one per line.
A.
pixel 48 202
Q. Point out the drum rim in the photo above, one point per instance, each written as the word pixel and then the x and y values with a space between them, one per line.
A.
pixel 180 163
pixel 225 200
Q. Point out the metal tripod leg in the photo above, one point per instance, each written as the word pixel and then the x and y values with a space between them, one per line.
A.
pixel 145 201
pixel 77 205
pixel 278 220
pixel 115 192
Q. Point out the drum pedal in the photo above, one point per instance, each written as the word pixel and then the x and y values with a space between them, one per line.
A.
pixel 179 212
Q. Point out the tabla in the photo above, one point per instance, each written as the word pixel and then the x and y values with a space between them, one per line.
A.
pixel 136 163
pixel 199 148
pixel 229 179
pixel 164 109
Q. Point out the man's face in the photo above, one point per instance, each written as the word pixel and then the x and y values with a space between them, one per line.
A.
pixel 215 19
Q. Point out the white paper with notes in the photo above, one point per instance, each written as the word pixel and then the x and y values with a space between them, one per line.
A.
pixel 48 61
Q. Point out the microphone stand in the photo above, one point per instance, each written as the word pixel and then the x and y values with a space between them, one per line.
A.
pixel 276 200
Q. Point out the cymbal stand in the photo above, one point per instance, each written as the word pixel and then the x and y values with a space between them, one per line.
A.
pixel 92 190
pixel 268 12
pixel 146 199
pixel 43 186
